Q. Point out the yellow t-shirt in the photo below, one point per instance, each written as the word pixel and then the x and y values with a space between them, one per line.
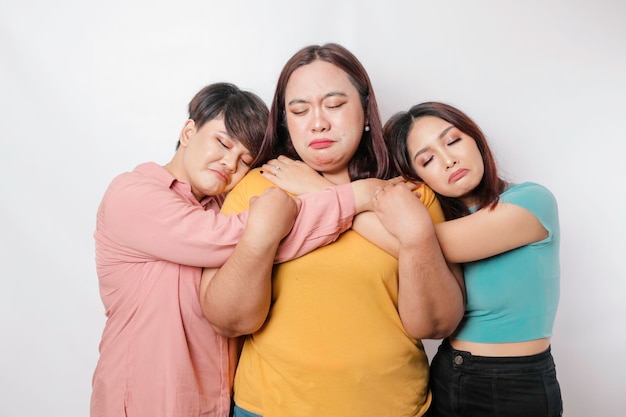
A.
pixel 333 343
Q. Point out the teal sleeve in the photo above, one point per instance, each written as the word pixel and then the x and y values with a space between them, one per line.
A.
pixel 538 200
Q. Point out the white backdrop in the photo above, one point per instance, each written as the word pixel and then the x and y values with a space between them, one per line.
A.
pixel 89 89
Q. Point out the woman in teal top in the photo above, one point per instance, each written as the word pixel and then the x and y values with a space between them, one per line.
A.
pixel 498 361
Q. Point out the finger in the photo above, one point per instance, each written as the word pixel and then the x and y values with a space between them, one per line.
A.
pixel 271 168
pixel 411 185
pixel 268 166
pixel 395 180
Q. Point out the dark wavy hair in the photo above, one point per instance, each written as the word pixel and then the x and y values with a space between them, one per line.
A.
pixel 396 132
pixel 244 113
pixel 371 158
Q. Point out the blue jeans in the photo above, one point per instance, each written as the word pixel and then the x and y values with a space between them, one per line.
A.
pixel 240 412
pixel 468 386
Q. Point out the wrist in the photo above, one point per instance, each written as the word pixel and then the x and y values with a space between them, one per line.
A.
pixel 363 193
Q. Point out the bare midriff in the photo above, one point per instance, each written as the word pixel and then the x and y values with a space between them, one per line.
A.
pixel 531 347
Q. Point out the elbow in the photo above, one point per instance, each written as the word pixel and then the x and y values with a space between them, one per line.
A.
pixel 432 331
pixel 232 330
pixel 234 327
pixel 438 327
pixel 440 330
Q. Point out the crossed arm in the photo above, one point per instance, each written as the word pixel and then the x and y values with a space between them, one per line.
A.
pixel 225 292
pixel 236 297
pixel 431 290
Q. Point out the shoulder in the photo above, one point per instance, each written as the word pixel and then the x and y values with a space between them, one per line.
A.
pixel 253 180
pixel 429 199
pixel 148 172
pixel 528 192
pixel 526 187
pixel 427 194
pixel 144 179
pixel 238 199
pixel 145 188
pixel 535 198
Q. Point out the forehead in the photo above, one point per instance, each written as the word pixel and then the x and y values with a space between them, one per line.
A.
pixel 427 128
pixel 316 80
pixel 218 127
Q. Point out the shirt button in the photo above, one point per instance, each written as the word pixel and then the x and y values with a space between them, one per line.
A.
pixel 458 360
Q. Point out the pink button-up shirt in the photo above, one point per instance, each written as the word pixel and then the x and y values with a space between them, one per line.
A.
pixel 159 356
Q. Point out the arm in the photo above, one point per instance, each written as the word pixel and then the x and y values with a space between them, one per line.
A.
pixel 489 232
pixel 368 225
pixel 236 298
pixel 298 178
pixel 149 220
pixel 324 214
pixel 430 292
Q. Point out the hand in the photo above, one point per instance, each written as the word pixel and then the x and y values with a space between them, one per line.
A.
pixel 403 215
pixel 364 190
pixel 293 176
pixel 272 216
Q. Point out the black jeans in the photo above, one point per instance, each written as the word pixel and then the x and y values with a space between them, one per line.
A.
pixel 464 385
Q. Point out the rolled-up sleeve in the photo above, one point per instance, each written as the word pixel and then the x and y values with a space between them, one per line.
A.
pixel 322 218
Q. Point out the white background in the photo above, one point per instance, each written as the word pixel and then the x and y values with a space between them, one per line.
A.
pixel 90 89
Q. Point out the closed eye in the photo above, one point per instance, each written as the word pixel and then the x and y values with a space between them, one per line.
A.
pixel 298 111
pixel 426 162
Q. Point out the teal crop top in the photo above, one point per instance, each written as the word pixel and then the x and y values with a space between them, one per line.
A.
pixel 513 296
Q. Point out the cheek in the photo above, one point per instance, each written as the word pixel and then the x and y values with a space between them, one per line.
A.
pixel 298 144
pixel 296 134
pixel 295 126
pixel 355 122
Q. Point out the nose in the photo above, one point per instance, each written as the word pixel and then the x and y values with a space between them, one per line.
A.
pixel 320 123
pixel 230 161
pixel 450 161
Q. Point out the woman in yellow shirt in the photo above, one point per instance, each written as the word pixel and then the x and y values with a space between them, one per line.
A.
pixel 342 336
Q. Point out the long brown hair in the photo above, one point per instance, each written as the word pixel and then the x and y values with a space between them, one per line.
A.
pixel 396 132
pixel 372 157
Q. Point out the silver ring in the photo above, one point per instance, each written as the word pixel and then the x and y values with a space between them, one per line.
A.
pixel 276 169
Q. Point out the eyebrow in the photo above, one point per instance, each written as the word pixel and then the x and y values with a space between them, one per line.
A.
pixel 227 135
pixel 441 135
pixel 330 94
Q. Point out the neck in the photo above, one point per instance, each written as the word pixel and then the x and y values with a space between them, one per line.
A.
pixel 341 177
pixel 173 167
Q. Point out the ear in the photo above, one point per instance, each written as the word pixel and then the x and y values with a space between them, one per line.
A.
pixel 189 128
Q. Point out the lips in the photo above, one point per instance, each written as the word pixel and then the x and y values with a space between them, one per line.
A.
pixel 321 143
pixel 222 175
pixel 457 175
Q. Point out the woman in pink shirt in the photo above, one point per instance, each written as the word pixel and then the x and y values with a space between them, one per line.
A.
pixel 158 226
